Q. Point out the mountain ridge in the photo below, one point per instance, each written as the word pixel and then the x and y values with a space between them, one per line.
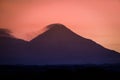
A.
pixel 61 26
pixel 58 45
pixel 61 41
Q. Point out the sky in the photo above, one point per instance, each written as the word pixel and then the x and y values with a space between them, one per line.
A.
pixel 98 20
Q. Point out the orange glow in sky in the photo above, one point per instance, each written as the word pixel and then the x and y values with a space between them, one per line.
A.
pixel 98 20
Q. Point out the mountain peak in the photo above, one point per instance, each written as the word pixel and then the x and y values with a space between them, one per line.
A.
pixel 56 32
pixel 56 26
pixel 58 29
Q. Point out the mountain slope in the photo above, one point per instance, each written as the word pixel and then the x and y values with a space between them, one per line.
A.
pixel 12 50
pixel 59 45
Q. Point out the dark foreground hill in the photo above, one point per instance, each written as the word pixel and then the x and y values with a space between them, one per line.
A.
pixel 72 72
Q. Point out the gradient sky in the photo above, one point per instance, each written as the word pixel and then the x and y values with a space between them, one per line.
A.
pixel 98 20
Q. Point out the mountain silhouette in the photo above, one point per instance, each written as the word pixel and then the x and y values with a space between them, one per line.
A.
pixel 12 50
pixel 59 45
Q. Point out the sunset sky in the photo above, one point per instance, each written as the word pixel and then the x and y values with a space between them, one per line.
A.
pixel 98 20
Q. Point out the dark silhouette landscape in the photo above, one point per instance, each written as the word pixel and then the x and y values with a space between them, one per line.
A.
pixel 58 49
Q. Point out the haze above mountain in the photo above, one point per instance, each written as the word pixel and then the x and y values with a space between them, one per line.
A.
pixel 58 45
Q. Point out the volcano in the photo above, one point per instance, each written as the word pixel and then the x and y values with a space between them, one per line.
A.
pixel 58 45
